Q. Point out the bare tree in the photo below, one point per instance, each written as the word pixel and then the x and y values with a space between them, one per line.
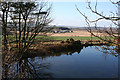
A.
pixel 4 19
pixel 26 20
pixel 107 34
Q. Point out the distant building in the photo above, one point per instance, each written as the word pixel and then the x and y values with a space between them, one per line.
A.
pixel 61 30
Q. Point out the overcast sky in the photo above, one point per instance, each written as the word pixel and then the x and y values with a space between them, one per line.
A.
pixel 65 13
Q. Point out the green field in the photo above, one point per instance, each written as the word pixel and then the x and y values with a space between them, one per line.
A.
pixel 64 38
pixel 48 38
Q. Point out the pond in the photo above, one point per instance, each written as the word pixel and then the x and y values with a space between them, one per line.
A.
pixel 89 62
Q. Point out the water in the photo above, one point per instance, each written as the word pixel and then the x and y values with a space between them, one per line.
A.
pixel 88 63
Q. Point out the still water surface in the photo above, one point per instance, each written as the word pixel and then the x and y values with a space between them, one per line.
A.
pixel 88 63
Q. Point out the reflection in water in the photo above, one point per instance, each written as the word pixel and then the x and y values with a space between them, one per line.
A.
pixel 113 50
pixel 23 68
pixel 16 66
pixel 89 63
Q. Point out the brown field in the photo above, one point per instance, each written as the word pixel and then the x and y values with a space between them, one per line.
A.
pixel 83 33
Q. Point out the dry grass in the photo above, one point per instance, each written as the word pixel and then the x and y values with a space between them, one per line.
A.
pixel 82 33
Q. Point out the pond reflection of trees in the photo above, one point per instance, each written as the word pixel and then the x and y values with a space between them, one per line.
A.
pixel 18 66
pixel 70 52
pixel 113 50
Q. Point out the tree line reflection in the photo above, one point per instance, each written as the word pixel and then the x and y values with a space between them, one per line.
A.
pixel 112 50
pixel 18 66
